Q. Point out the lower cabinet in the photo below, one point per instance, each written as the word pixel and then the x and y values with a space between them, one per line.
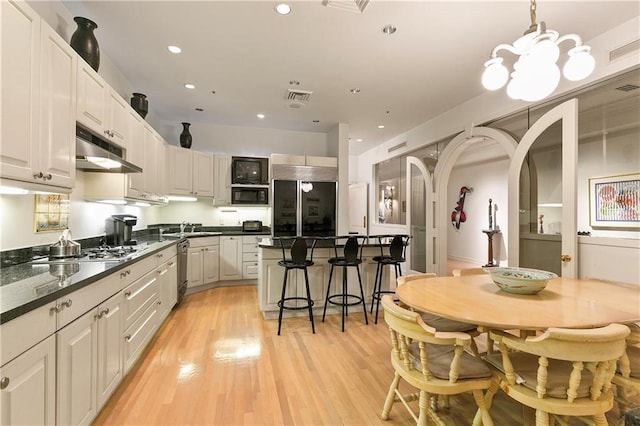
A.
pixel 89 362
pixel 230 258
pixel 203 261
pixel 28 386
pixel 61 362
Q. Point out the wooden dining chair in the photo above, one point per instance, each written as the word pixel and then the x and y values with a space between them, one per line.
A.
pixel 627 377
pixel 560 373
pixel 433 362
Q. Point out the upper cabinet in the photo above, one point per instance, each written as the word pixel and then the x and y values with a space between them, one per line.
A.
pixel 100 108
pixel 222 187
pixel 190 172
pixel 38 86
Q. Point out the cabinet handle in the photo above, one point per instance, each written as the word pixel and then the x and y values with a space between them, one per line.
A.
pixel 48 176
pixel 38 175
pixel 159 302
pixel 103 313
pixel 4 382
pixel 127 337
pixel 67 303
pixel 123 274
pixel 127 293
pixel 159 255
pixel 170 264
pixel 54 310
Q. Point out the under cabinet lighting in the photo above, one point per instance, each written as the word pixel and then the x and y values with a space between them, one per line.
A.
pixel 118 202
pixel 10 190
pixel 105 163
pixel 179 198
pixel 141 204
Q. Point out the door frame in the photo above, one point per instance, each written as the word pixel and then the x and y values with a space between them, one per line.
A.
pixel 441 176
pixel 428 210
pixel 567 113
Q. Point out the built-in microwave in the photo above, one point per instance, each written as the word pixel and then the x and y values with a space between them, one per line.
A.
pixel 249 171
pixel 248 195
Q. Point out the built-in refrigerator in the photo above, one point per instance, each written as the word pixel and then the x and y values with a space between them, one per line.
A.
pixel 304 208
pixel 304 201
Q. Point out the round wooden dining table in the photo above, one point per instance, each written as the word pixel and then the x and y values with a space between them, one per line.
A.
pixel 565 302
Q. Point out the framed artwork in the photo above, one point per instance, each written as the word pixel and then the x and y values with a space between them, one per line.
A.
pixel 51 212
pixel 614 201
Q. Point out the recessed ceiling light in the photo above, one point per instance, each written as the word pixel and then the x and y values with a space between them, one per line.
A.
pixel 199 109
pixel 283 9
pixel 381 126
pixel 213 92
pixel 260 116
pixel 174 49
pixel 189 86
pixel 389 29
pixel 355 90
pixel 359 140
pixel 316 121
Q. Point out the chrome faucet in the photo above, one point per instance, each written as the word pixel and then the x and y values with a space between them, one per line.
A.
pixel 183 225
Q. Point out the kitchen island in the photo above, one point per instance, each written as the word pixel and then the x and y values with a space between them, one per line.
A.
pixel 270 276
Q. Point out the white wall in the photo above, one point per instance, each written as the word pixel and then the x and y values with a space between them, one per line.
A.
pixel 488 180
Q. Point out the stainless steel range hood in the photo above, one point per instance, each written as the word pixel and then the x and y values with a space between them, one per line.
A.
pixel 94 154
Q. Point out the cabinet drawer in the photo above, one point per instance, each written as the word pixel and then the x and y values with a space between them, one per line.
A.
pixel 23 332
pixel 139 296
pixel 250 257
pixel 249 270
pixel 77 303
pixel 139 334
pixel 204 241
pixel 166 254
pixel 251 241
pixel 138 269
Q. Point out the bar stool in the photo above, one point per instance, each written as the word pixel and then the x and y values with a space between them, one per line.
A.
pixel 351 257
pixel 394 257
pixel 297 260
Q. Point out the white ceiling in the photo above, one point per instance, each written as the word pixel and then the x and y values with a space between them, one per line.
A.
pixel 248 54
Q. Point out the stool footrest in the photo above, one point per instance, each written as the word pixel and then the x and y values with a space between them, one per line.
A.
pixel 358 299
pixel 378 294
pixel 281 303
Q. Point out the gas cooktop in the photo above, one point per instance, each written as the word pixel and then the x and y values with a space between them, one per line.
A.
pixel 96 254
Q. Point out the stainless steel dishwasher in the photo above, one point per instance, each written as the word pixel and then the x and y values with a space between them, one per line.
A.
pixel 183 247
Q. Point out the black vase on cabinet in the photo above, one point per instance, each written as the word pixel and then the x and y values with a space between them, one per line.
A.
pixel 140 104
pixel 84 42
pixel 185 136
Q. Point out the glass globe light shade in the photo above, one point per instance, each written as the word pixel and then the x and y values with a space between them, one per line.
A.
pixel 545 50
pixel 495 74
pixel 514 88
pixel 540 82
pixel 580 64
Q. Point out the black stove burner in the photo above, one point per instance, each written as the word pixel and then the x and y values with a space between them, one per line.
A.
pixel 95 254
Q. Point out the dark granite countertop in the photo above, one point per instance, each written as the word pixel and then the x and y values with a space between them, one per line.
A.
pixel 27 286
pixel 322 242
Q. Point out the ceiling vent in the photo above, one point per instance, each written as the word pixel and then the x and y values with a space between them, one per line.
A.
pixel 357 6
pixel 625 50
pixel 297 98
pixel 627 87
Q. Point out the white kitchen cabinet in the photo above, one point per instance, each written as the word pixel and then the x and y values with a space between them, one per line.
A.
pixel 28 386
pixel 138 335
pixel 92 93
pixel 77 359
pixel 110 367
pixel 139 295
pixel 230 257
pixel 89 354
pixel 38 85
pixel 167 284
pixel 135 146
pixel 100 108
pixel 222 184
pixel 203 261
pixel 250 257
pixel 190 172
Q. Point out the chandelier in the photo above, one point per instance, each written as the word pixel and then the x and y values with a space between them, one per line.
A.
pixel 535 74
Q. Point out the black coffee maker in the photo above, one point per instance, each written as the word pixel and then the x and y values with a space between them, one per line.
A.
pixel 119 230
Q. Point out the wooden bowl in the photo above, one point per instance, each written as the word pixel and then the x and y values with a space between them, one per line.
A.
pixel 520 280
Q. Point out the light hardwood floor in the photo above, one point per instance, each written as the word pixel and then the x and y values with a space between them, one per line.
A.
pixel 215 361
